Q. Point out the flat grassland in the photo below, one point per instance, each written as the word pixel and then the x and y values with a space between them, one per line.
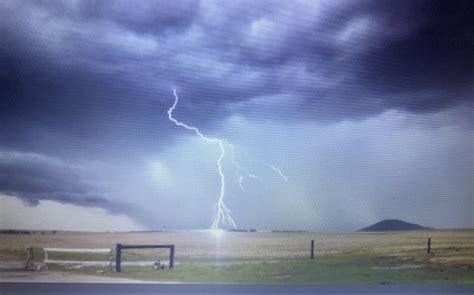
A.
pixel 268 257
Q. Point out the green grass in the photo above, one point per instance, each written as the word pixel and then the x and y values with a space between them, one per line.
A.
pixel 325 270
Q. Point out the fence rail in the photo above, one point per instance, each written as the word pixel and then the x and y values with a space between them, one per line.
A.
pixel 107 262
pixel 78 250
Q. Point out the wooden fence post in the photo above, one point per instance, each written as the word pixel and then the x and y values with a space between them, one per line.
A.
pixel 312 249
pixel 171 257
pixel 118 258
pixel 429 246
pixel 29 258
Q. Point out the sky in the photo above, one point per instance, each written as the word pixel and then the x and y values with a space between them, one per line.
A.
pixel 365 107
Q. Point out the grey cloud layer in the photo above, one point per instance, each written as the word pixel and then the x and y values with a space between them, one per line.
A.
pixel 369 56
pixel 34 177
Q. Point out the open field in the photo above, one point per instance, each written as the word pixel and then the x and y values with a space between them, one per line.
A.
pixel 266 257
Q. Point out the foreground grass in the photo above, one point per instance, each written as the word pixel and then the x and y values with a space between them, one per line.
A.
pixel 325 270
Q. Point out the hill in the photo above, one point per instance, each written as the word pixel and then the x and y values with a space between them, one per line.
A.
pixel 394 225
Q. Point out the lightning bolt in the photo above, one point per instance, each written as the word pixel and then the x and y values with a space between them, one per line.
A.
pixel 279 172
pixel 222 213
pixel 241 184
pixel 254 176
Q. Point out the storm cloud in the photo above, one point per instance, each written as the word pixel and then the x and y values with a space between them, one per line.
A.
pixel 86 85
pixel 35 177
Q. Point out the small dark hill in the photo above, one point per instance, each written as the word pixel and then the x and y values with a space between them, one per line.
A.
pixel 393 225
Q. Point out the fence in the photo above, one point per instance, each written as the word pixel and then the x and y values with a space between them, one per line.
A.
pixel 119 247
pixel 107 262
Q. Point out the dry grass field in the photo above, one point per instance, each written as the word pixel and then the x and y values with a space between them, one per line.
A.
pixel 259 257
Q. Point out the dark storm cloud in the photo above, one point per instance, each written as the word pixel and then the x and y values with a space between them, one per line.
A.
pixel 147 16
pixel 34 177
pixel 70 94
pixel 362 58
pixel 336 60
pixel 430 56
pixel 144 16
